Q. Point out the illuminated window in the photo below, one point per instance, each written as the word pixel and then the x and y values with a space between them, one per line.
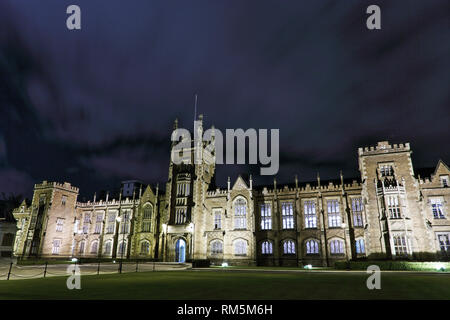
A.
pixel 266 247
pixel 145 247
pixel 360 248
pixel 287 214
pixel 59 224
pixel 289 247
pixel 437 208
pixel 240 214
pixel 111 223
pixel 63 200
pixel 266 216
pixel 312 247
pixel 125 222
pixel 357 208
pixel 337 247
pixel 216 247
pixel 310 214
pixel 444 243
pixel 240 248
pixel 217 219
pixel 334 217
pixel 56 246
pixel 393 207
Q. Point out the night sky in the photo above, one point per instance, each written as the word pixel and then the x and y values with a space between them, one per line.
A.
pixel 96 106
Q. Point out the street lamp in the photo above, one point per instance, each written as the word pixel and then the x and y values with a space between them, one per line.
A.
pixel 119 219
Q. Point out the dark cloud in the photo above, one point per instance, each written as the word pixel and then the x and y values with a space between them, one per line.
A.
pixel 96 106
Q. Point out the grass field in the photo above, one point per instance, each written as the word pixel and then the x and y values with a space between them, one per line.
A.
pixel 232 285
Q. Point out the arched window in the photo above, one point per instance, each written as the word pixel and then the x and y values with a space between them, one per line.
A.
pixel 81 249
pixel 94 247
pixel 146 225
pixel 145 247
pixel 240 247
pixel 312 247
pixel 240 214
pixel 147 212
pixel 108 246
pixel 289 247
pixel 360 248
pixel 266 247
pixel 337 247
pixel 216 247
pixel 122 248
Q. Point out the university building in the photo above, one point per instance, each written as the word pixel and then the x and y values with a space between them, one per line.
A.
pixel 390 212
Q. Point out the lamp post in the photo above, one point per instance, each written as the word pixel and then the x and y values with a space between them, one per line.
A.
pixel 119 219
pixel 165 241
pixel 191 229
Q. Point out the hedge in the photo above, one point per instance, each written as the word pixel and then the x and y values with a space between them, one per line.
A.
pixel 393 265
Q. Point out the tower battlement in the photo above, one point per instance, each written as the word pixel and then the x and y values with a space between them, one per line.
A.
pixel 383 147
pixel 46 184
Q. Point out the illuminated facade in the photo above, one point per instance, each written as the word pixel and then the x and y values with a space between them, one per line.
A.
pixel 390 212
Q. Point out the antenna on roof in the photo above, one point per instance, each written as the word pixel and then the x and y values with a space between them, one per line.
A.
pixel 195 107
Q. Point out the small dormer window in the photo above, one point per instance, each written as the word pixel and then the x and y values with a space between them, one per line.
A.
pixel 444 181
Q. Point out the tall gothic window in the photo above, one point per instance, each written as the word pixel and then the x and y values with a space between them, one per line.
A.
pixel 94 247
pixel 240 214
pixel 145 247
pixel 98 223
pixel 266 247
pixel 81 249
pixel 266 216
pixel 393 207
pixel 125 222
pixel 86 222
pixel 310 214
pixel 240 247
pixel 122 248
pixel 111 223
pixel 216 247
pixel 147 218
pixel 289 247
pixel 287 214
pixel 357 209
pixel 334 216
pixel 180 215
pixel 217 220
pixel 108 245
pixel 337 247
pixel 312 247
pixel 360 248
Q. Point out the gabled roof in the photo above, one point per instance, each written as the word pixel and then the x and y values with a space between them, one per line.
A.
pixel 239 184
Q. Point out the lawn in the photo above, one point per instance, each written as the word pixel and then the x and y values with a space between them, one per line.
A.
pixel 232 285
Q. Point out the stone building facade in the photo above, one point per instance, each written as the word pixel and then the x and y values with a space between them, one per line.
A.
pixel 390 212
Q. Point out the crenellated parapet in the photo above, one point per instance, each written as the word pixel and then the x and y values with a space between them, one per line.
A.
pixel 383 147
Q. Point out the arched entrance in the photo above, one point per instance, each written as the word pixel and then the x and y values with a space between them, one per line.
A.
pixel 180 250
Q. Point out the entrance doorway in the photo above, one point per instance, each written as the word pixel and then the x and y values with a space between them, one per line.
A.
pixel 180 250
